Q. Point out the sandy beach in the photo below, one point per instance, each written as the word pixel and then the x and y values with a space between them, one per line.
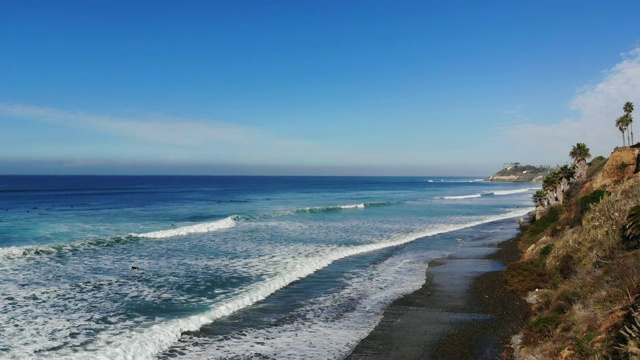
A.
pixel 463 311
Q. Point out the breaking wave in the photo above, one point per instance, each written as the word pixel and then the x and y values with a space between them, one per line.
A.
pixel 14 252
pixel 225 223
pixel 340 207
pixel 509 192
pixel 460 197
pixel 489 193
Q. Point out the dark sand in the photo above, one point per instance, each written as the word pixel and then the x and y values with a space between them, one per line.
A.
pixel 463 311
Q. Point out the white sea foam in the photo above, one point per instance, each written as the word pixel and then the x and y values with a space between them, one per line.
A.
pixel 355 206
pixel 334 208
pixel 460 197
pixel 145 343
pixel 497 193
pixel 510 192
pixel 23 252
pixel 326 327
pixel 459 181
pixel 222 224
pixel 14 251
pixel 17 252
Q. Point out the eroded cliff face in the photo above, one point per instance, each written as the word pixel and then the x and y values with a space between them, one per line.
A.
pixel 621 166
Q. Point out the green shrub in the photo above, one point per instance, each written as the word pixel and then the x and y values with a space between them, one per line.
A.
pixel 623 165
pixel 545 222
pixel 544 326
pixel 545 251
pixel 586 201
pixel 595 166
pixel 596 160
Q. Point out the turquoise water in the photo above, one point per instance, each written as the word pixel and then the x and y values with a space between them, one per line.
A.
pixel 225 267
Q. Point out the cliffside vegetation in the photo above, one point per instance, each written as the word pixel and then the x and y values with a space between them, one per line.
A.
pixel 581 264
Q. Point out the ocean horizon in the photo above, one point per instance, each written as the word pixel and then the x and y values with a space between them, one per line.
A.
pixel 219 267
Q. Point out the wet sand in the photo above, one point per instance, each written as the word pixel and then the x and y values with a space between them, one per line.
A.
pixel 463 311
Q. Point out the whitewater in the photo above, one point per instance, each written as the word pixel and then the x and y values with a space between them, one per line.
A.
pixel 219 267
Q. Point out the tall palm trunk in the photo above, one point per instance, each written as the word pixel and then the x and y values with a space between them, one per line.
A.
pixel 564 183
pixel 559 194
pixel 551 197
pixel 581 169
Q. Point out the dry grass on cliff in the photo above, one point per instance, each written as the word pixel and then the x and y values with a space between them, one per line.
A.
pixel 596 286
pixel 583 317
pixel 597 241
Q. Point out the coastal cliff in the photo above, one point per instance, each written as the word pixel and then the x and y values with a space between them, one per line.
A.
pixel 620 166
pixel 515 172
pixel 581 266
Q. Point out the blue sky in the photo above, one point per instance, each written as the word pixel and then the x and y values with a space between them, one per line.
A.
pixel 311 87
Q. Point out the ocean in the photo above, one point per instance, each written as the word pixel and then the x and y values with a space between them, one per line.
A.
pixel 224 267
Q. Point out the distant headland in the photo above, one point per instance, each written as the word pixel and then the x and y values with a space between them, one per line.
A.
pixel 515 172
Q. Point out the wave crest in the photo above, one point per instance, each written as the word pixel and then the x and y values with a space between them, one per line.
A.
pixel 489 193
pixel 222 224
pixel 340 207
pixel 509 192
pixel 460 197
pixel 16 252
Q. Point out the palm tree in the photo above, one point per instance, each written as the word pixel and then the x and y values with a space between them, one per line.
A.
pixel 550 186
pixel 628 109
pixel 580 153
pixel 631 128
pixel 566 173
pixel 627 123
pixel 540 198
pixel 621 125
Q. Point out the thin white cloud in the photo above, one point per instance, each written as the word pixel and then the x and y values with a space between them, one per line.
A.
pixel 516 110
pixel 183 132
pixel 597 105
pixel 187 139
